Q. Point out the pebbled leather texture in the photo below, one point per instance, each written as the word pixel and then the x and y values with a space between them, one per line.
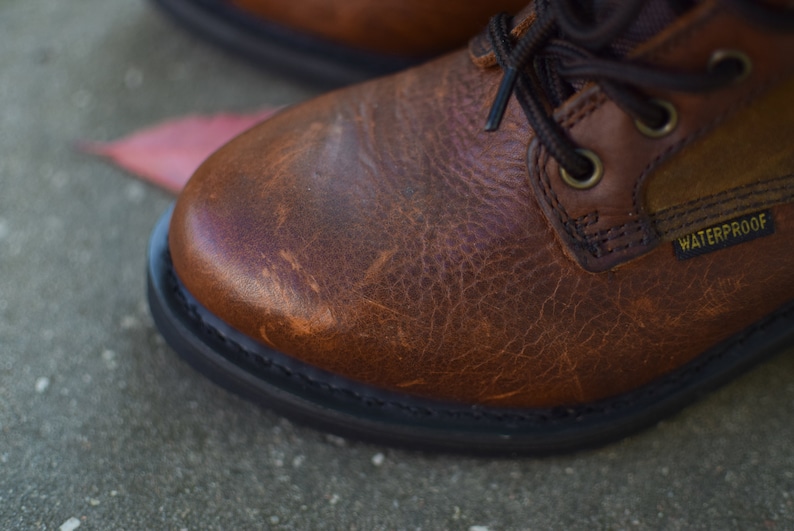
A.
pixel 379 233
pixel 411 28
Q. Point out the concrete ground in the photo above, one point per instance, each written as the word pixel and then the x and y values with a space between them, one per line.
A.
pixel 102 425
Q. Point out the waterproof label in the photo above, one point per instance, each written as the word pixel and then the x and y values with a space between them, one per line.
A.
pixel 725 234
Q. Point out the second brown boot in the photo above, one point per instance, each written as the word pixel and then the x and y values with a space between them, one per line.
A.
pixel 338 41
pixel 616 243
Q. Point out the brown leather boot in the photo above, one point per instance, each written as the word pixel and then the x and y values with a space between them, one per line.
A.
pixel 376 263
pixel 338 41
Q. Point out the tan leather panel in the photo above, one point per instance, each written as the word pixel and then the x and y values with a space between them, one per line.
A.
pixel 689 217
pixel 414 28
pixel 755 145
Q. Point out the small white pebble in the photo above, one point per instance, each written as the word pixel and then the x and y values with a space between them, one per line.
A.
pixel 129 321
pixel 114 493
pixel 42 384
pixel 378 459
pixel 334 499
pixel 298 460
pixel 479 528
pixel 70 525
pixel 336 441
pixel 93 502
pixel 274 520
pixel 109 357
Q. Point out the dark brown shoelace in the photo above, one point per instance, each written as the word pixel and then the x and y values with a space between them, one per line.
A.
pixel 568 45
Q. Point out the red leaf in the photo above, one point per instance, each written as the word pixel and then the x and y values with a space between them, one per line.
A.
pixel 168 154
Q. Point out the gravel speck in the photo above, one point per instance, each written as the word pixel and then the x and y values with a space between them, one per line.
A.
pixel 42 384
pixel 70 525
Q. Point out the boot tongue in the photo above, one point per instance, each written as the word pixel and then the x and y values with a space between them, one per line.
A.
pixel 653 18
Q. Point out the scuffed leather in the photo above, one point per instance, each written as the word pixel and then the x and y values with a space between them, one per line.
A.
pixel 379 233
pixel 411 28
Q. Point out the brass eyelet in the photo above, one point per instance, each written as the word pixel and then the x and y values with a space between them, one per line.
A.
pixel 666 128
pixel 720 56
pixel 592 179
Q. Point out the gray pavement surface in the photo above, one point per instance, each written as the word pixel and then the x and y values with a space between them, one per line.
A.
pixel 102 425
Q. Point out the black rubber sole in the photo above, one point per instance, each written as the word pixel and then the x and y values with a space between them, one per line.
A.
pixel 300 55
pixel 351 409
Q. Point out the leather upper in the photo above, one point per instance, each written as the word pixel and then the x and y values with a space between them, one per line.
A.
pixel 412 28
pixel 379 233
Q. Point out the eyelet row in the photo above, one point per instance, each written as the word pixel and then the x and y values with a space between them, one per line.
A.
pixel 717 58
